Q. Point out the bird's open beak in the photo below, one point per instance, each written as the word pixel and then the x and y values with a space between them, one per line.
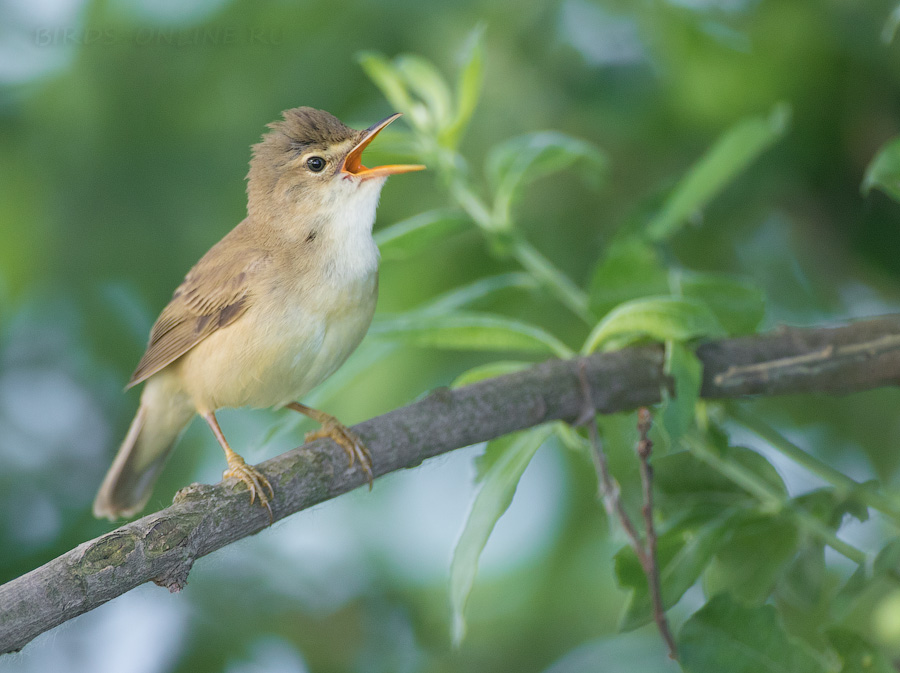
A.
pixel 353 162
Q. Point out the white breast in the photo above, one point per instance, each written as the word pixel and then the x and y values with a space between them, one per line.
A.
pixel 276 353
pixel 354 254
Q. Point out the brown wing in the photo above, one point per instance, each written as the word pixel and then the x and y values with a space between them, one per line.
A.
pixel 214 294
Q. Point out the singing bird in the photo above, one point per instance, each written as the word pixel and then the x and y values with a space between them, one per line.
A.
pixel 271 311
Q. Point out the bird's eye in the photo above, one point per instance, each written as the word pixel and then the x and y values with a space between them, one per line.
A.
pixel 315 164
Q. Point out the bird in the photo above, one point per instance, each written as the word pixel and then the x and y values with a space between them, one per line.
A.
pixel 269 312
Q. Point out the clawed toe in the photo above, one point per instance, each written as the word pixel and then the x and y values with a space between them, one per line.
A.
pixel 255 481
pixel 340 434
pixel 349 441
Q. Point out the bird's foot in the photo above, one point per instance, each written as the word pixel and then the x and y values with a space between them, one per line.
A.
pixel 255 480
pixel 348 440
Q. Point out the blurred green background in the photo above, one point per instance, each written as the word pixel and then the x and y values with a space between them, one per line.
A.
pixel 125 129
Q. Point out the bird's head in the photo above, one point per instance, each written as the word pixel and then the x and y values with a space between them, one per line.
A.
pixel 311 158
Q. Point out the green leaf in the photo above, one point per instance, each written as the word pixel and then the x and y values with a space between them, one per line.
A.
pixel 428 84
pixel 518 161
pixel 685 367
pixel 479 289
pixel 498 486
pixel 682 555
pixel 737 303
pixel 884 171
pixel 411 236
pixel 388 79
pixel 469 331
pixel 858 655
pixel 494 450
pixel 725 635
pixel 489 371
pixel 736 149
pixel 468 88
pixel 537 154
pixel 682 480
pixel 751 562
pixel 630 269
pixel 570 438
pixel 659 318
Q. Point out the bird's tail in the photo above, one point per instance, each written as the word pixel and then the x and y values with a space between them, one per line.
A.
pixel 150 439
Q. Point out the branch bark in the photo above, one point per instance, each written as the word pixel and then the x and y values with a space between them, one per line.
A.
pixel 162 546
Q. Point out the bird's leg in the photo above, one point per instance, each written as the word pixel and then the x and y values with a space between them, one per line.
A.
pixel 340 434
pixel 255 480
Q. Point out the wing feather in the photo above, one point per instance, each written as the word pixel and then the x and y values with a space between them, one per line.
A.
pixel 214 294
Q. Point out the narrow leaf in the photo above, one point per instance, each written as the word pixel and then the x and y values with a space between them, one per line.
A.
pixel 470 331
pixel 736 149
pixel 479 289
pixel 518 161
pixel 494 450
pixel 884 171
pixel 428 84
pixel 725 635
pixel 468 88
pixel 409 237
pixel 536 154
pixel 570 438
pixel 493 498
pixel 658 318
pixel 489 371
pixel 388 79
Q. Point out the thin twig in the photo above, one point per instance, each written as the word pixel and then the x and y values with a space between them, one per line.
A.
pixel 607 488
pixel 651 569
pixel 610 495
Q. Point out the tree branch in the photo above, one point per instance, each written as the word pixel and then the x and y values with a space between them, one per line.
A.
pixel 162 547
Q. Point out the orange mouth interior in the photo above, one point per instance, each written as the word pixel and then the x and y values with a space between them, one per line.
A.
pixel 353 162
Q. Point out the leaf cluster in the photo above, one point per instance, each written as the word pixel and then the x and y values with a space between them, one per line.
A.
pixel 727 523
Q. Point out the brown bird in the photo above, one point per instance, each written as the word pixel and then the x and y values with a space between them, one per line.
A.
pixel 271 311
